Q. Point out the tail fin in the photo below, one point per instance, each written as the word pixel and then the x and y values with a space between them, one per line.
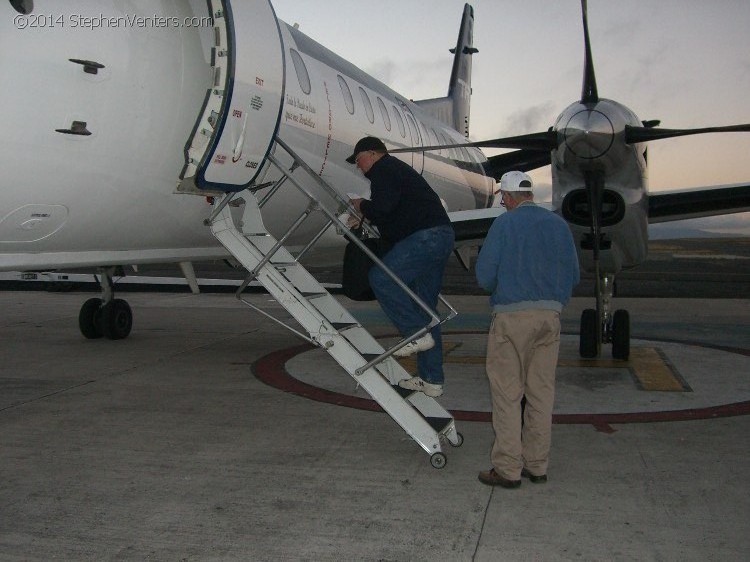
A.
pixel 454 109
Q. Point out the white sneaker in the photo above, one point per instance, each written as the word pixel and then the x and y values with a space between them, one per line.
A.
pixel 422 344
pixel 415 383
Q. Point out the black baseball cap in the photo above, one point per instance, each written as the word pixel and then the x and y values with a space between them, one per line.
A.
pixel 367 143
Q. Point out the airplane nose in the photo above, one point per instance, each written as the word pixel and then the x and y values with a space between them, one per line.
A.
pixel 588 134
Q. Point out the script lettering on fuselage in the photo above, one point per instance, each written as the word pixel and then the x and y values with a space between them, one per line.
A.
pixel 305 114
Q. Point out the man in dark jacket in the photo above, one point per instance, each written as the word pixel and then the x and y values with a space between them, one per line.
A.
pixel 411 218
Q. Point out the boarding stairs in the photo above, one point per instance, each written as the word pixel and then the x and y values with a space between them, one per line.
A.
pixel 324 322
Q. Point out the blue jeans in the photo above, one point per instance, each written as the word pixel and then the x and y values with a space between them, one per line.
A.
pixel 419 261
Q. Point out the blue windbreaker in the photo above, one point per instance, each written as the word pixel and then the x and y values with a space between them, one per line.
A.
pixel 528 260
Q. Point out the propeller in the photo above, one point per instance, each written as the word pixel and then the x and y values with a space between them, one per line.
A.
pixel 589 94
pixel 544 141
pixel 593 179
pixel 523 160
pixel 645 134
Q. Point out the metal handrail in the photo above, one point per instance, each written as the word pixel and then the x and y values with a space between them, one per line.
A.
pixel 345 205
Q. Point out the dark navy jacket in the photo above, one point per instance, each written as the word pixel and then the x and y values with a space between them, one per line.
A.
pixel 401 201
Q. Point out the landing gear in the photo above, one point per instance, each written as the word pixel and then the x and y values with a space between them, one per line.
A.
pixel 601 326
pixel 117 319
pixel 107 316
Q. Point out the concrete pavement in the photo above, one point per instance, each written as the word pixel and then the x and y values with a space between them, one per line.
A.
pixel 166 446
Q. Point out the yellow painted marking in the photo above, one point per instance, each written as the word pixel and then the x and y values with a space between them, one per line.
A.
pixel 653 372
pixel 646 364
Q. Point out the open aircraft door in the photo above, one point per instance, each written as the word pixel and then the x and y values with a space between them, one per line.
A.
pixel 242 110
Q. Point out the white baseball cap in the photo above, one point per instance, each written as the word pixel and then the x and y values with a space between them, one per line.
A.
pixel 516 181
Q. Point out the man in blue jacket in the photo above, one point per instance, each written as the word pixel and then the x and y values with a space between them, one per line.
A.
pixel 412 220
pixel 529 264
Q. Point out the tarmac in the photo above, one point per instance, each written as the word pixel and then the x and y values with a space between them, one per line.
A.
pixel 212 433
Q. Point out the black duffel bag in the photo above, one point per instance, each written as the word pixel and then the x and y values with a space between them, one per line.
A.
pixel 354 279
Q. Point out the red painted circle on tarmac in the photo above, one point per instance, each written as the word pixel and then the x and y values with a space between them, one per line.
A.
pixel 271 369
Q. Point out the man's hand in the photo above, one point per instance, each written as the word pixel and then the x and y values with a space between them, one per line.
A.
pixel 355 220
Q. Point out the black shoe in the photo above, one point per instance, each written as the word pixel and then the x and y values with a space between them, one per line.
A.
pixel 492 478
pixel 541 479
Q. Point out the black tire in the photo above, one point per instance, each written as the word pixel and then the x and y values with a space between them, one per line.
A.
pixel 588 347
pixel 438 460
pixel 621 335
pixel 90 319
pixel 459 440
pixel 117 319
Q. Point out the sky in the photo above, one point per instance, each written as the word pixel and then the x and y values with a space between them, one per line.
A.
pixel 685 62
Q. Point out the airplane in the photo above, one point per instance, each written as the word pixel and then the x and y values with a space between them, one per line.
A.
pixel 598 156
pixel 122 142
pixel 129 120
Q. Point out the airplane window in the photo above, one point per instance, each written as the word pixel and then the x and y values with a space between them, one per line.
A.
pixel 347 93
pixel 368 105
pixel 414 130
pixel 434 140
pixel 23 6
pixel 384 113
pixel 399 121
pixel 302 75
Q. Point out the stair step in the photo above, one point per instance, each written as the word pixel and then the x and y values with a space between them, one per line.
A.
pixel 439 424
pixel 341 326
pixel 314 295
pixel 403 392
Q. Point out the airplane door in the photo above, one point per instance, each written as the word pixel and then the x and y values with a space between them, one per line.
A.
pixel 416 140
pixel 242 110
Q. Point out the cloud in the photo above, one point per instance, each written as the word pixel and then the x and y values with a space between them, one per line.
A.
pixel 530 120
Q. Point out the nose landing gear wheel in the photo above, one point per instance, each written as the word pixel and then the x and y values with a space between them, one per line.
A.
pixel 621 335
pixel 588 346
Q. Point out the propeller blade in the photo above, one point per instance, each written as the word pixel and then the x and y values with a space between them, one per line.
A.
pixel 645 134
pixel 544 141
pixel 589 93
pixel 522 160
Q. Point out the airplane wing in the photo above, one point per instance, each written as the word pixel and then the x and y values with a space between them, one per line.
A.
pixel 471 227
pixel 698 202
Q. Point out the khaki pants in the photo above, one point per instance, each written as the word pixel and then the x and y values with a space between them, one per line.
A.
pixel 522 349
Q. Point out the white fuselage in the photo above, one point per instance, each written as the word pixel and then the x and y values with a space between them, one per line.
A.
pixel 108 197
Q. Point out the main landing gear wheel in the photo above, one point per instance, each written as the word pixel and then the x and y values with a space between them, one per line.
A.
pixel 106 316
pixel 90 319
pixel 459 440
pixel 438 460
pixel 117 319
